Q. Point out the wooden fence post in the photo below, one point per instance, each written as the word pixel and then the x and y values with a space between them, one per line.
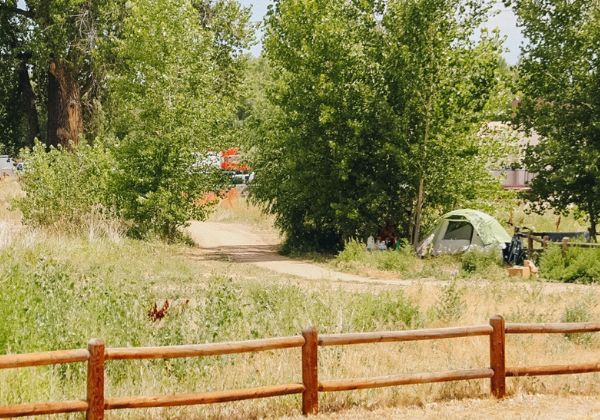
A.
pixel 95 380
pixel 310 373
pixel 545 241
pixel 497 356
pixel 530 245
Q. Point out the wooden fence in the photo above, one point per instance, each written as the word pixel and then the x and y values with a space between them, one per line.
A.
pixel 96 355
pixel 544 241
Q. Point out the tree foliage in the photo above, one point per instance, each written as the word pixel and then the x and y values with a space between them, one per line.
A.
pixel 374 113
pixel 169 103
pixel 169 72
pixel 55 51
pixel 560 81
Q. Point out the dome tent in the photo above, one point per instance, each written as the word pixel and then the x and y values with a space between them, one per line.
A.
pixel 461 230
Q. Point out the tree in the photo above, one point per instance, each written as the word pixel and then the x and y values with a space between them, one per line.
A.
pixel 441 81
pixel 318 167
pixel 171 100
pixel 375 110
pixel 57 45
pixel 19 120
pixel 560 81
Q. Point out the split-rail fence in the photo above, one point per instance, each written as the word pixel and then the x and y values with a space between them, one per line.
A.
pixel 96 402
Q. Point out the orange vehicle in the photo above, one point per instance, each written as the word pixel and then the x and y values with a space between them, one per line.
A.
pixel 230 161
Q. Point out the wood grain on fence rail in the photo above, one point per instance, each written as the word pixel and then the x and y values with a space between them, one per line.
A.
pixel 202 398
pixel 212 349
pixel 406 335
pixel 43 358
pixel 36 409
pixel 404 379
pixel 553 370
pixel 575 327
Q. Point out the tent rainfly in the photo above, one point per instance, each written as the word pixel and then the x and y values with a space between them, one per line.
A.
pixel 461 230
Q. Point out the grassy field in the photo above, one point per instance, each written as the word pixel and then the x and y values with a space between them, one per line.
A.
pixel 57 291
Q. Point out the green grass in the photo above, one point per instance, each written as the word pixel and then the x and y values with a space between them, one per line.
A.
pixel 57 291
pixel 405 264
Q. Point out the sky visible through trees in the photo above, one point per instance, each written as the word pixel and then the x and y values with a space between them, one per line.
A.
pixel 505 21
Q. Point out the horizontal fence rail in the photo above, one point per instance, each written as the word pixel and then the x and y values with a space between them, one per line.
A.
pixel 406 379
pixel 95 356
pixel 414 335
pixel 564 328
pixel 213 349
pixel 43 358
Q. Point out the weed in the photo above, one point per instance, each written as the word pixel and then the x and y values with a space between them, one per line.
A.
pixel 578 312
pixel 451 303
pixel 480 261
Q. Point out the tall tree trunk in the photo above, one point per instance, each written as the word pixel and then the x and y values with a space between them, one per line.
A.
pixel 593 220
pixel 27 103
pixel 65 122
pixel 418 213
pixel 593 228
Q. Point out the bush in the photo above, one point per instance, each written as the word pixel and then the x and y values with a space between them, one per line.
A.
pixel 64 188
pixel 480 261
pixel 574 265
pixel 355 254
pixel 112 182
pixel 451 303
pixel 387 310
pixel 578 312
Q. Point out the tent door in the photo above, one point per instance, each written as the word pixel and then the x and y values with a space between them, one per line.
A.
pixel 457 237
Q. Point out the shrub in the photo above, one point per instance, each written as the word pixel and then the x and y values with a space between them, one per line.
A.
pixel 353 251
pixel 355 254
pixel 64 188
pixel 578 312
pixel 386 310
pixel 574 265
pixel 451 303
pixel 480 261
pixel 93 187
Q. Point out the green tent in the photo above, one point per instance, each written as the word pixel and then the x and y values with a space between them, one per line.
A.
pixel 461 230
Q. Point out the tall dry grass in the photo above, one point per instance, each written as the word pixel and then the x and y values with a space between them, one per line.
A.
pixel 59 290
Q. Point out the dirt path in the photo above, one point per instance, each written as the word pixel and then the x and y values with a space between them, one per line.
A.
pixel 245 244
pixel 241 243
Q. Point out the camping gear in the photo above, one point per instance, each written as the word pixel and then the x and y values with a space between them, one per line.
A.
pixel 462 230
pixel 514 254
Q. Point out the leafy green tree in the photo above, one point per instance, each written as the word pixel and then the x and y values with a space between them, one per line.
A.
pixel 171 101
pixel 168 72
pixel 560 81
pixel 374 113
pixel 319 165
pixel 57 47
pixel 440 83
